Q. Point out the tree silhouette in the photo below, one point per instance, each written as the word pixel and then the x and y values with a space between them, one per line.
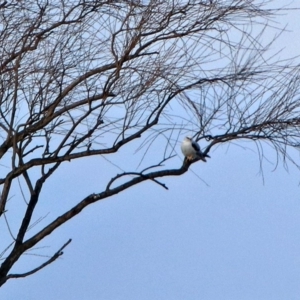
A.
pixel 85 78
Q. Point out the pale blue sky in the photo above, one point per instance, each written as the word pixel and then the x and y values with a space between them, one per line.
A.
pixel 230 239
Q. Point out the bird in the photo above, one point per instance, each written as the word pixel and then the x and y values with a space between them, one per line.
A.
pixel 191 149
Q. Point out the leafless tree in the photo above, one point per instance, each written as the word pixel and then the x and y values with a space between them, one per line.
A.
pixel 86 78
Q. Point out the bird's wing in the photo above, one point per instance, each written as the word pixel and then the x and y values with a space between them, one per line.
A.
pixel 195 146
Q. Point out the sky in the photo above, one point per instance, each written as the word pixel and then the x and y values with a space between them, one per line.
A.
pixel 222 231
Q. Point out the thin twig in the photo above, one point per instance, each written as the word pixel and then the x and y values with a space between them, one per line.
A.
pixel 48 262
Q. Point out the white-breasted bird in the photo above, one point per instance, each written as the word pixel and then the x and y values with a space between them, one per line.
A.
pixel 191 149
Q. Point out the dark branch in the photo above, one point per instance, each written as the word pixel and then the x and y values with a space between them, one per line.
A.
pixel 45 264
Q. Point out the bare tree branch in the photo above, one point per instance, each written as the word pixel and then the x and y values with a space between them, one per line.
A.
pixel 45 264
pixel 89 78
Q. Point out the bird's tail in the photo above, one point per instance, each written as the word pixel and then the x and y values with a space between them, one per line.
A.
pixel 202 156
